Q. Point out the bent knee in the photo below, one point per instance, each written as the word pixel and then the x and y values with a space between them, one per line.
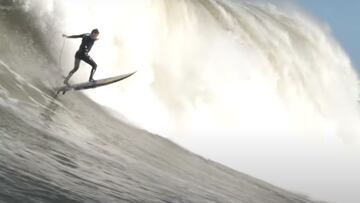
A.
pixel 74 70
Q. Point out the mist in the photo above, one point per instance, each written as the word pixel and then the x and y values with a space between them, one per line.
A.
pixel 260 87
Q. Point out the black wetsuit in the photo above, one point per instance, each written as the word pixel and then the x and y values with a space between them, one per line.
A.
pixel 83 54
pixel 84 49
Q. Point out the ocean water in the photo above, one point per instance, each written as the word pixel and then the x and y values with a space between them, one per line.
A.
pixel 204 67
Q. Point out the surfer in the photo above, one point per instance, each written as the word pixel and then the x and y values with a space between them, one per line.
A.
pixel 83 53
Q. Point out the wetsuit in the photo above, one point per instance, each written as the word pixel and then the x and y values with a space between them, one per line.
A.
pixel 82 54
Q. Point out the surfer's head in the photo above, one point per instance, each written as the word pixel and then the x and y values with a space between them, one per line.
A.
pixel 94 33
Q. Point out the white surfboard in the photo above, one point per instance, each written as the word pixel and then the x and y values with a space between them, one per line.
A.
pixel 95 84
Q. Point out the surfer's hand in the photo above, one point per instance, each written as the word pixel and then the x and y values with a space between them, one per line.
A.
pixel 64 35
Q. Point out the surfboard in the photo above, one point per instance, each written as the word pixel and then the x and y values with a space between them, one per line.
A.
pixel 95 84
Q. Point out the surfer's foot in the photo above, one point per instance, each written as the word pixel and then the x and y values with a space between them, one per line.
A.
pixel 91 80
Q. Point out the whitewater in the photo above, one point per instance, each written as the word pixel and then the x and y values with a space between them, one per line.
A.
pixel 258 86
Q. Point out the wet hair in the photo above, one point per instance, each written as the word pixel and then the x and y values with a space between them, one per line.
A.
pixel 96 31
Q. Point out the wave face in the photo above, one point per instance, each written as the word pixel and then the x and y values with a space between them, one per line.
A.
pixel 234 76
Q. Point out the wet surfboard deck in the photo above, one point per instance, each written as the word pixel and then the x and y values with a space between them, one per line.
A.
pixel 94 84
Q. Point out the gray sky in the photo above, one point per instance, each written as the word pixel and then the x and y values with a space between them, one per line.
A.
pixel 343 18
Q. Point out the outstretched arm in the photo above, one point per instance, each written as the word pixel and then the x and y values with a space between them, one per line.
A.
pixel 73 36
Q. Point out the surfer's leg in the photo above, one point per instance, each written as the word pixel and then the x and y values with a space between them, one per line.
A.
pixel 76 67
pixel 92 63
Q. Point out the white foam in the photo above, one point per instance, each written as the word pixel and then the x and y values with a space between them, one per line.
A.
pixel 264 89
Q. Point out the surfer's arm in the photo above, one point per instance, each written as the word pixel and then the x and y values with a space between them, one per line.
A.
pixel 74 36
